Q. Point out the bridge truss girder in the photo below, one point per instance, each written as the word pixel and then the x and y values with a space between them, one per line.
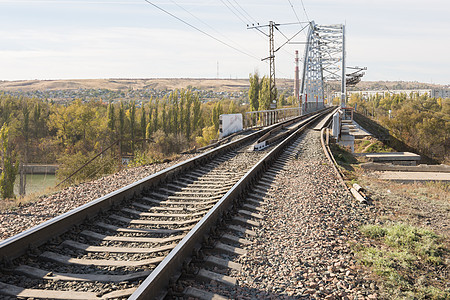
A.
pixel 324 60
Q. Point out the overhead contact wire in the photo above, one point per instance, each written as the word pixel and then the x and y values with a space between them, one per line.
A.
pixel 203 22
pixel 198 29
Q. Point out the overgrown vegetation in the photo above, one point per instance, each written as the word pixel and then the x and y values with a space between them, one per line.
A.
pixel 259 94
pixel 152 129
pixel 409 260
pixel 345 160
pixel 8 167
pixel 70 134
pixel 420 122
pixel 370 145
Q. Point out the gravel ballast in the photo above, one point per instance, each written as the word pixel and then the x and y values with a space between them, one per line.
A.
pixel 303 247
pixel 16 220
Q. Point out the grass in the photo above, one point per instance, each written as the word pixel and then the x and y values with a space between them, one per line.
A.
pixel 371 145
pixel 342 156
pixel 345 160
pixel 408 259
pixel 16 203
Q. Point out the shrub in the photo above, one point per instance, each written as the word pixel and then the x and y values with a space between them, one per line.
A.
pixel 70 163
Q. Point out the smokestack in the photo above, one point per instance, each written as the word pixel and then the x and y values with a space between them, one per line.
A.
pixel 297 79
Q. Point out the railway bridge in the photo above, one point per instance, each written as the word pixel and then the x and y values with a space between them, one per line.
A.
pixel 264 214
pixel 219 225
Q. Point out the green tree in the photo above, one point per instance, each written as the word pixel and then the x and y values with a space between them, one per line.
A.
pixel 25 130
pixel 143 122
pixel 133 124
pixel 111 117
pixel 155 115
pixel 181 111
pixel 232 108
pixel 217 111
pixel 121 121
pixel 9 169
pixel 187 120
pixel 264 94
pixel 282 101
pixel 253 92
pixel 196 114
pixel 38 124
pixel 164 118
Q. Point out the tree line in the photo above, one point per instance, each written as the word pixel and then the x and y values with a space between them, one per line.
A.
pixel 259 94
pixel 70 134
pixel 41 131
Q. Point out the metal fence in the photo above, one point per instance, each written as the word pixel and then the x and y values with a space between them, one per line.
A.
pixel 264 118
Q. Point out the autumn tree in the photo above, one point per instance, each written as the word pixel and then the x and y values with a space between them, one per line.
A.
pixel 132 124
pixel 253 92
pixel 111 117
pixel 121 121
pixel 264 94
pixel 9 169
pixel 143 122
pixel 155 115
pixel 217 111
pixel 196 114
pixel 25 130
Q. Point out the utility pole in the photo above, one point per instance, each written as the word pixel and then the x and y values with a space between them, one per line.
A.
pixel 272 25
pixel 297 78
pixel 272 66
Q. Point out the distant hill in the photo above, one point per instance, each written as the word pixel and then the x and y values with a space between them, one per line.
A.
pixel 225 85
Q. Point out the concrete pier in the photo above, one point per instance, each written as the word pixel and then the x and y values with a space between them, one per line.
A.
pixel 40 169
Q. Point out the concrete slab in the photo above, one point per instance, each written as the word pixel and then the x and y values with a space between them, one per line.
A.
pixel 384 156
pixel 398 158
pixel 414 176
pixel 391 167
pixel 355 129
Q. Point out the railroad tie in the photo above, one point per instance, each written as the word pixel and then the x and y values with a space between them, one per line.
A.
pixel 202 295
pixel 44 274
pixel 66 260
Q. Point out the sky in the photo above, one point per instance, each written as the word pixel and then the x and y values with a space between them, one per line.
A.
pixel 405 40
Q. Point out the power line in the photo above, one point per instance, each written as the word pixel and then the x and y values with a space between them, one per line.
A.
pixel 203 22
pixel 243 21
pixel 245 12
pixel 289 39
pixel 198 29
pixel 295 13
pixel 205 33
pixel 304 10
pixel 239 17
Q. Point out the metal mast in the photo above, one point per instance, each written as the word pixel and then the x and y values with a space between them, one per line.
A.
pixel 297 78
pixel 272 25
pixel 273 95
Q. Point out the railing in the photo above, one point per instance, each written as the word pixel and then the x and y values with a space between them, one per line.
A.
pixel 264 118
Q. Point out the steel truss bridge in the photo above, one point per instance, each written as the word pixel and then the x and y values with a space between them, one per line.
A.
pixel 323 61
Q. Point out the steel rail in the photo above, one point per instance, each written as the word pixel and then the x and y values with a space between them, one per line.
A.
pixel 156 283
pixel 34 237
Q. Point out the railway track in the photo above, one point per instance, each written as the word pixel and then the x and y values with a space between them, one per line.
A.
pixel 131 242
